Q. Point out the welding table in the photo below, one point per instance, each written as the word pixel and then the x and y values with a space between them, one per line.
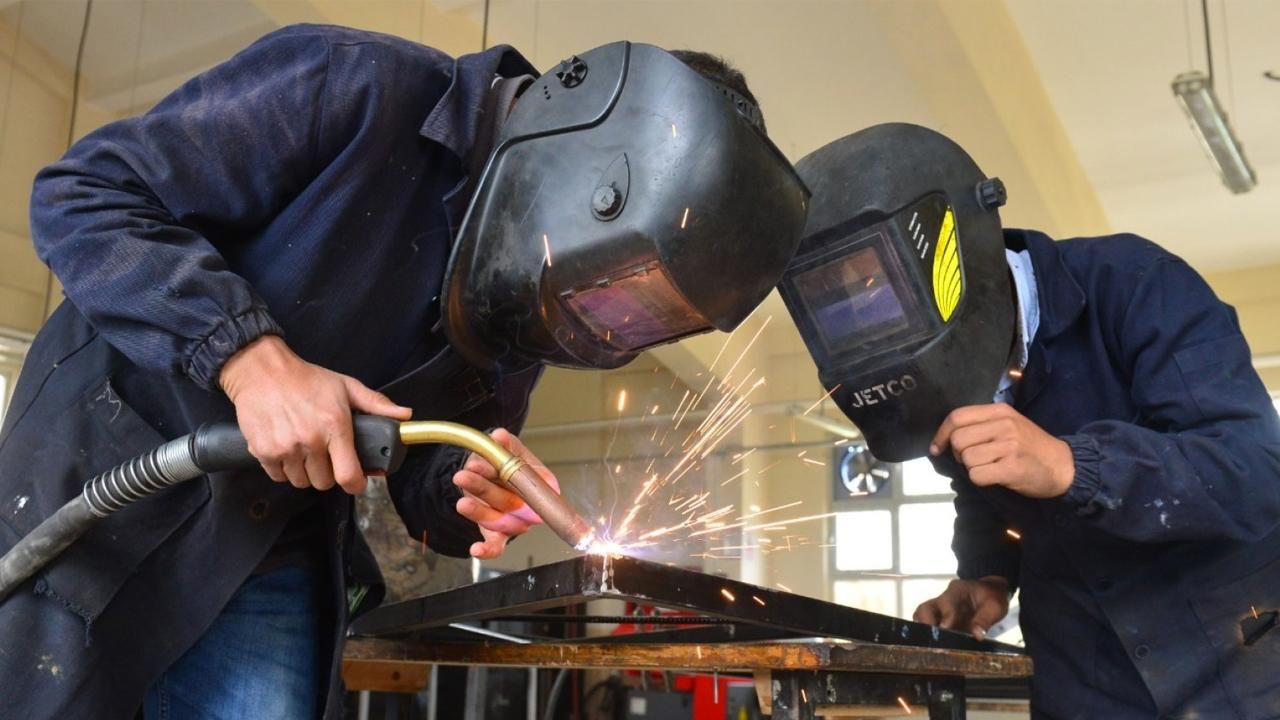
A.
pixel 861 666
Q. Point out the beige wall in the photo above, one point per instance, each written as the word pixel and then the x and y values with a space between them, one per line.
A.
pixel 34 112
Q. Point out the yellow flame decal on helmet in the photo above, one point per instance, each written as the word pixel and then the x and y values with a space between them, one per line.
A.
pixel 947 282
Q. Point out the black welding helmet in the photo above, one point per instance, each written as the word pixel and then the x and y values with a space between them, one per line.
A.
pixel 628 202
pixel 900 286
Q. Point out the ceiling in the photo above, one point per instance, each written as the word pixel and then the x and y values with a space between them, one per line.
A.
pixel 1107 67
pixel 1068 102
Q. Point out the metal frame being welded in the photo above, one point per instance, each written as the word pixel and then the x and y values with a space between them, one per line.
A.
pixel 760 612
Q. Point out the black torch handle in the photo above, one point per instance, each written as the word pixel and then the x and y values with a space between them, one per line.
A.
pixel 221 446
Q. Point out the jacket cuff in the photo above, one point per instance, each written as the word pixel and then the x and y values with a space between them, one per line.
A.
pixel 980 567
pixel 227 338
pixel 1087 494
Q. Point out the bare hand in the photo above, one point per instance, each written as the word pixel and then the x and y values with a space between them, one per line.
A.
pixel 500 513
pixel 970 606
pixel 296 416
pixel 1000 446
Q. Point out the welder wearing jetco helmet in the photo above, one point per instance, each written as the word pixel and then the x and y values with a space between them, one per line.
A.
pixel 1115 456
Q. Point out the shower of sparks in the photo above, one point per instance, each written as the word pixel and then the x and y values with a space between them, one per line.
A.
pixel 546 247
pixel 1255 612
pixel 819 402
pixel 673 130
pixel 758 600
pixel 756 511
pixel 804 696
pixel 725 592
pixel 684 219
pixel 904 705
pixel 741 456
pixel 699 648
pixel 622 400
pixel 1013 534
pixel 811 461
pixel 735 477
pixel 653 410
pixel 841 442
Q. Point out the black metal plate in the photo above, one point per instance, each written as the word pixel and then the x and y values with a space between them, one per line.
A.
pixel 595 577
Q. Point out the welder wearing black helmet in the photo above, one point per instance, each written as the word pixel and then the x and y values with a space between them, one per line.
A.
pixel 329 212
pixel 1115 456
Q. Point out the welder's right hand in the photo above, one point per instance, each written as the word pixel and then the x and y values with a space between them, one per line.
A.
pixel 296 416
pixel 970 606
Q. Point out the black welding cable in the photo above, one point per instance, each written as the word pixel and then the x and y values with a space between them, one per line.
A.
pixel 553 697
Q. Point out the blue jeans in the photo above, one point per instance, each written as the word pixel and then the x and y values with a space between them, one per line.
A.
pixel 259 659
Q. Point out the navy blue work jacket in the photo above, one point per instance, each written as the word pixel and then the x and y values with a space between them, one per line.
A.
pixel 1139 586
pixel 310 186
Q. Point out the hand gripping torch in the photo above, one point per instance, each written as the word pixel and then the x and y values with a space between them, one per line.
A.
pixel 380 444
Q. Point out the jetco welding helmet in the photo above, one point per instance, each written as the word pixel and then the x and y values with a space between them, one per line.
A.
pixel 628 202
pixel 900 286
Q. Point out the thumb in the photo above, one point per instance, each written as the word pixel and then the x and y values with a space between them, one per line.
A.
pixel 373 402
pixel 987 614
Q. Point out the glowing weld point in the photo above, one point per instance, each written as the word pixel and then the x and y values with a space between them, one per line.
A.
pixel 1013 534
pixel 725 592
pixel 904 705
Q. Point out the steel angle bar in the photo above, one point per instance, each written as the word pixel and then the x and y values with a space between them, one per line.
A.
pixel 594 577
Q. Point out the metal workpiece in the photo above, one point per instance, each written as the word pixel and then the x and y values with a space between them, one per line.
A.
pixel 595 577
pixel 513 472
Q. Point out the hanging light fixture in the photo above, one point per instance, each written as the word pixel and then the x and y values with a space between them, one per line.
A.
pixel 1195 94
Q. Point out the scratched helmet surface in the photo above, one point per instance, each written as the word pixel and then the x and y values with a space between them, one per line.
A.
pixel 900 287
pixel 629 202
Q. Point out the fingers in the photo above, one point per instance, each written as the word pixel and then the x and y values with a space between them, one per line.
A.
pixel 345 469
pixel 964 417
pixel 987 453
pixel 490 519
pixel 489 493
pixel 319 471
pixel 373 402
pixel 986 615
pixel 928 613
pixel 488 549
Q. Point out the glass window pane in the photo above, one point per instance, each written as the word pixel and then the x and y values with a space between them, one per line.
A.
pixel 915 592
pixel 864 540
pixel 924 537
pixel 918 478
pixel 875 595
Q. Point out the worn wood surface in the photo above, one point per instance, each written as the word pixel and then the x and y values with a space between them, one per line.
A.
pixel 814 655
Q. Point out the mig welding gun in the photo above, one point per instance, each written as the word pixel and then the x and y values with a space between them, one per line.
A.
pixel 380 443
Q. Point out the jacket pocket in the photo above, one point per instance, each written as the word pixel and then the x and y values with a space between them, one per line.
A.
pixel 1218 376
pixel 1239 619
pixel 64 447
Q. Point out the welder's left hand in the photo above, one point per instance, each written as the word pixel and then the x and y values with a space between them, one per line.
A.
pixel 1000 446
pixel 500 513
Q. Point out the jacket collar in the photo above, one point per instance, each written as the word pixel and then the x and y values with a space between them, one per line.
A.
pixel 1061 302
pixel 1061 297
pixel 455 120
